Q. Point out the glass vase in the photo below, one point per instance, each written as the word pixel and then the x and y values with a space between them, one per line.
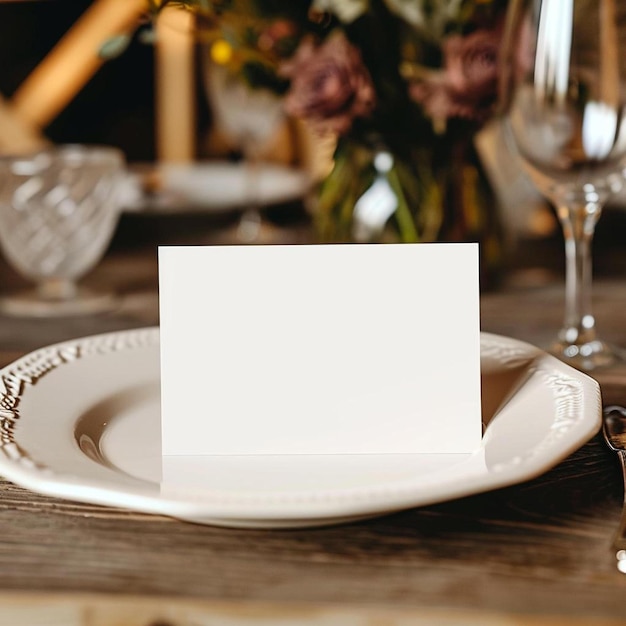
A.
pixel 428 194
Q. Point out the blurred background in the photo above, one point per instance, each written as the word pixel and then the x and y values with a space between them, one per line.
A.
pixel 117 104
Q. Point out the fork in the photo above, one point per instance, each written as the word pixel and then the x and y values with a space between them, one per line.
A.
pixel 614 430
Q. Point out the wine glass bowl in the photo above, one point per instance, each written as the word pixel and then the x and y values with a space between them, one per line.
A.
pixel 58 212
pixel 562 89
pixel 249 116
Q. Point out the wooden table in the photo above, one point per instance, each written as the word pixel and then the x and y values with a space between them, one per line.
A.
pixel 535 553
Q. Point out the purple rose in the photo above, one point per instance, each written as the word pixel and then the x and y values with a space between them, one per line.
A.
pixel 472 65
pixel 330 85
pixel 437 99
pixel 467 86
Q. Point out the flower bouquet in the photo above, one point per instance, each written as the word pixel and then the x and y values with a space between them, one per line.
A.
pixel 403 86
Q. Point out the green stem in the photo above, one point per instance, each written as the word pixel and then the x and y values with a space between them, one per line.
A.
pixel 408 232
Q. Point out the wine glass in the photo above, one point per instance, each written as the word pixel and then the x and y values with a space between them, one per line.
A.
pixel 249 116
pixel 58 211
pixel 562 88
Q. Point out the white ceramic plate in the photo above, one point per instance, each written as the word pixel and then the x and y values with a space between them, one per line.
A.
pixel 80 420
pixel 211 187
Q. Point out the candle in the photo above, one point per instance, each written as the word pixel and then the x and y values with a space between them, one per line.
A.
pixel 16 136
pixel 175 86
pixel 73 61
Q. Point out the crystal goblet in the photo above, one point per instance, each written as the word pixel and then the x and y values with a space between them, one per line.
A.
pixel 58 211
pixel 564 89
pixel 249 116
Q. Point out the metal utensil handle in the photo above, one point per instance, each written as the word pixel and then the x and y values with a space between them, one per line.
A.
pixel 619 542
pixel 620 536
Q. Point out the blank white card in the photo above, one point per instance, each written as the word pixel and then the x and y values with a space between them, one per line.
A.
pixel 340 349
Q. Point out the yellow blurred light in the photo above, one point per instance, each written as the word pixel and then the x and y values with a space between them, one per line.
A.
pixel 221 52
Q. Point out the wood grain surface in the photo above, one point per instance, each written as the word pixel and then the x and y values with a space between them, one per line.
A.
pixel 534 553
pixel 108 610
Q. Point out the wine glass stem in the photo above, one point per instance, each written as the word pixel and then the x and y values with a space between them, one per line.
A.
pixel 578 223
pixel 57 289
pixel 250 223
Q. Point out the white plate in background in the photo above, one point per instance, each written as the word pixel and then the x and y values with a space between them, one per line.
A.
pixel 212 186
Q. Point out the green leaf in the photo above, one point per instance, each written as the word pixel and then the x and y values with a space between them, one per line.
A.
pixel 147 36
pixel 114 46
pixel 408 232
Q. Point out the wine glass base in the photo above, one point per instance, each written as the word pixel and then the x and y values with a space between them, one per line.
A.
pixel 589 356
pixel 249 227
pixel 31 304
pixel 261 233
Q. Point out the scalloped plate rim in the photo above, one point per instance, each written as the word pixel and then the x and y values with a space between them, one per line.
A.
pixel 265 514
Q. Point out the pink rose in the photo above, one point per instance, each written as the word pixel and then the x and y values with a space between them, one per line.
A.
pixel 467 86
pixel 330 85
pixel 274 34
pixel 472 64
pixel 438 100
